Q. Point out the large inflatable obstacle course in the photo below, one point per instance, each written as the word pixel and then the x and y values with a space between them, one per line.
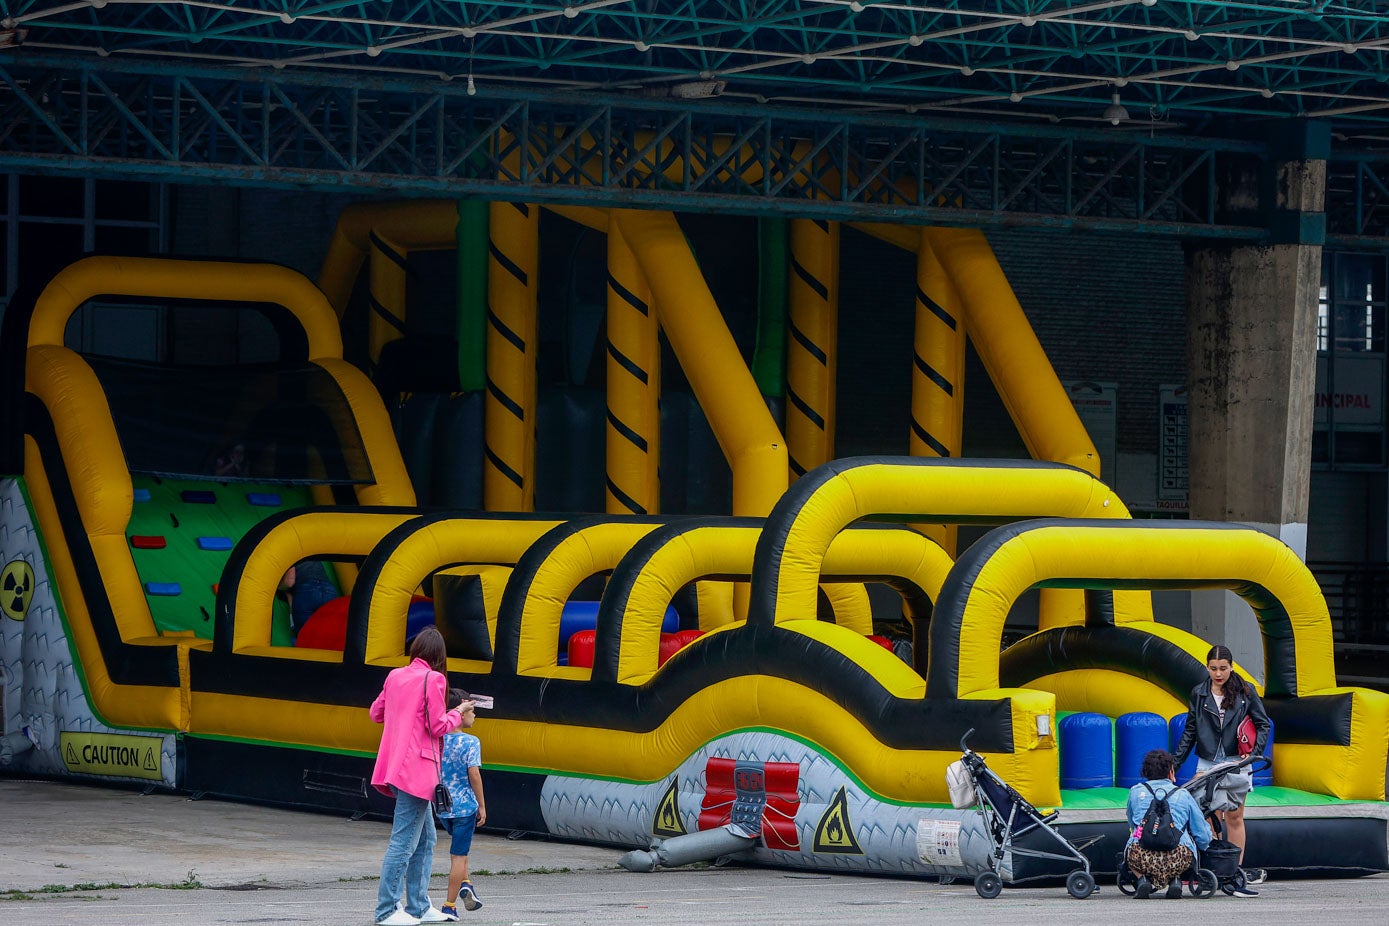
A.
pixel 720 687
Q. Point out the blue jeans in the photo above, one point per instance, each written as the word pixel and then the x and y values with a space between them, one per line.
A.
pixel 409 858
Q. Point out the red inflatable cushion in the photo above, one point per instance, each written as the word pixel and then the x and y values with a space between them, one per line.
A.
pixel 581 646
pixel 672 643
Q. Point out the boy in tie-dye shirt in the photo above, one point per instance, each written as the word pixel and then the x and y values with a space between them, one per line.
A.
pixel 461 774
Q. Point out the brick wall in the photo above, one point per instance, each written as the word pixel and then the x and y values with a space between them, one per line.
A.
pixel 1105 307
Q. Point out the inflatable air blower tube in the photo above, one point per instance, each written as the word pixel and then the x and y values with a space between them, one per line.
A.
pixel 682 850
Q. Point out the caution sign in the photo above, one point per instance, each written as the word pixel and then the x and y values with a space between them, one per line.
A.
pixel 667 821
pixel 16 589
pixel 116 754
pixel 835 833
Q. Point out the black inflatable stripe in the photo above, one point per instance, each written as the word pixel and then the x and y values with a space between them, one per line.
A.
pixel 809 346
pixel 1314 719
pixel 506 264
pixel 14 342
pixel 284 681
pixel 898 723
pixel 804 408
pixel 936 446
pixel 818 288
pixel 628 296
pixel 125 664
pixel 391 253
pixel 281 776
pixel 460 613
pixel 505 331
pixel 314 780
pixel 457 482
pixel 933 375
pixel 936 308
pixel 1301 847
pixel 628 364
pixel 1134 652
pixel 1099 608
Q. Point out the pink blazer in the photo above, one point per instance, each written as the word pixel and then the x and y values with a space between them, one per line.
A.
pixel 408 754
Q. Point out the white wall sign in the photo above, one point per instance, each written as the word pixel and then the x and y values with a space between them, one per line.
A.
pixel 1172 459
pixel 1357 396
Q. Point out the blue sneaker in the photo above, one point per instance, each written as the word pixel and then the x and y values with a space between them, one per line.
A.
pixel 468 895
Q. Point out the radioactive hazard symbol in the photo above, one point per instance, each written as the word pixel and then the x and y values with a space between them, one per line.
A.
pixel 16 589
pixel 835 833
pixel 667 821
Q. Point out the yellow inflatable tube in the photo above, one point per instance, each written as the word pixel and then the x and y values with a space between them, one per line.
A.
pixel 643 586
pixel 402 561
pixel 834 496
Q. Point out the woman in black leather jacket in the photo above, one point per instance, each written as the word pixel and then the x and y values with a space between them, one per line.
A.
pixel 1214 713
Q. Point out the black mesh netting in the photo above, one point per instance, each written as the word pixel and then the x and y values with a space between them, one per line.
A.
pixel 276 423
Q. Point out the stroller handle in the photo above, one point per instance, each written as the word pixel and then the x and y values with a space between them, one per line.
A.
pixel 1226 768
pixel 1255 757
pixel 964 740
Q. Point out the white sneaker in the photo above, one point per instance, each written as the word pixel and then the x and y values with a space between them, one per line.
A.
pixel 435 915
pixel 399 918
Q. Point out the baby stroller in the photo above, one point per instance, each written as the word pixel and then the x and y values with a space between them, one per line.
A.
pixel 1217 867
pixel 1007 819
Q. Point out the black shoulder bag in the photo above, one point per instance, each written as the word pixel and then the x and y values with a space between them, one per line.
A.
pixel 443 801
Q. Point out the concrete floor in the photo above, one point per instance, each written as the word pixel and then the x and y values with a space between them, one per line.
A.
pixel 73 854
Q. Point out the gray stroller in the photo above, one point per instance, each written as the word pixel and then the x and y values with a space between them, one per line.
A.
pixel 1008 817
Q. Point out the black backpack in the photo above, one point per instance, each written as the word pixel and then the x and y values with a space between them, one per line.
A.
pixel 1158 832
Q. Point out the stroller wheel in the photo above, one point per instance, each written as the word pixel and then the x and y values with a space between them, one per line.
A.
pixel 1125 881
pixel 988 884
pixel 1205 884
pixel 1080 885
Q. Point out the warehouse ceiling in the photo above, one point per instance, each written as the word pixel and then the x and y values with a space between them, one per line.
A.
pixel 1187 66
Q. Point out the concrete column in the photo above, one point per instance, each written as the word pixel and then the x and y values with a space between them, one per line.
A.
pixel 1252 355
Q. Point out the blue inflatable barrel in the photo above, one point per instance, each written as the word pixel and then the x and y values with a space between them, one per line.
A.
pixel 1087 751
pixel 1264 777
pixel 1175 728
pixel 1134 736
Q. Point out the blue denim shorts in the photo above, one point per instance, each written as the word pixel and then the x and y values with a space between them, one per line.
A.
pixel 461 830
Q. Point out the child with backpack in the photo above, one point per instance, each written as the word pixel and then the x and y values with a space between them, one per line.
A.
pixel 1168 828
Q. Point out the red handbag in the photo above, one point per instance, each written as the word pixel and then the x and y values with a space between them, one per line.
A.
pixel 1247 736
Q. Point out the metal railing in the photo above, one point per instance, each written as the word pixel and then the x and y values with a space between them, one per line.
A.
pixel 1357 595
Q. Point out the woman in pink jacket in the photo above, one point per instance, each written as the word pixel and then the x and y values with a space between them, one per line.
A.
pixel 411 705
